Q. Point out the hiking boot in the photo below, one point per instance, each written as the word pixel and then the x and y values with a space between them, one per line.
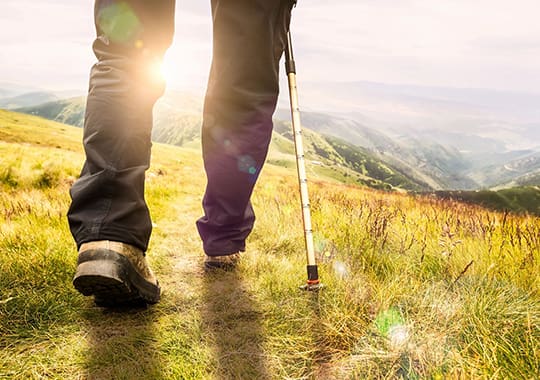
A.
pixel 227 262
pixel 116 274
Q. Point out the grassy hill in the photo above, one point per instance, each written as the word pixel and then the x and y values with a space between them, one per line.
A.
pixel 67 111
pixel 336 159
pixel 422 160
pixel 416 287
pixel 524 199
pixel 341 160
pixel 436 144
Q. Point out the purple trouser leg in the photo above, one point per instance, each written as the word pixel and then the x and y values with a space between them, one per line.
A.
pixel 249 39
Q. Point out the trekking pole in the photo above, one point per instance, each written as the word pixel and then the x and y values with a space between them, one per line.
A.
pixel 313 282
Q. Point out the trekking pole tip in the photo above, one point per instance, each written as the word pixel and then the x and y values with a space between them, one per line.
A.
pixel 312 286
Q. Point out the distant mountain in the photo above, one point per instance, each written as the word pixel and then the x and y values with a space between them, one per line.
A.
pixel 436 138
pixel 344 128
pixel 177 121
pixel 523 170
pixel 432 163
pixel 454 137
pixel 530 179
pixel 27 100
pixel 177 129
pixel 8 89
pixel 5 93
pixel 446 115
pixel 180 125
pixel 401 104
pixel 352 163
pixel 67 111
pixel 177 118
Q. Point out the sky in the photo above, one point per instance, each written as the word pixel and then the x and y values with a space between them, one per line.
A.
pixel 493 44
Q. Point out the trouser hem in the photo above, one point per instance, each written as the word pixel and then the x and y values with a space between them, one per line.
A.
pixel 224 252
pixel 113 234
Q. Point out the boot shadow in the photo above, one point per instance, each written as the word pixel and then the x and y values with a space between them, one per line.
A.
pixel 233 321
pixel 120 344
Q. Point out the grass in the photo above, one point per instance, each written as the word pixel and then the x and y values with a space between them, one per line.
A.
pixel 416 287
pixel 525 199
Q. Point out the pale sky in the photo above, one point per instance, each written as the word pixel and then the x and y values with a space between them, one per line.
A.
pixel 491 44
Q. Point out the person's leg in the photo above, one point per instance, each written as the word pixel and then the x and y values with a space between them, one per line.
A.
pixel 108 198
pixel 108 216
pixel 249 39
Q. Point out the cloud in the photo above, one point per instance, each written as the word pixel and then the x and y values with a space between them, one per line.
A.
pixel 481 43
pixel 46 44
pixel 446 42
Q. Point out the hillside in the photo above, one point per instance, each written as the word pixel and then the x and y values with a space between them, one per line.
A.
pixel 177 121
pixel 357 165
pixel 434 163
pixel 515 199
pixel 433 140
pixel 67 111
pixel 483 126
pixel 415 287
pixel 523 167
pixel 531 179
pixel 350 152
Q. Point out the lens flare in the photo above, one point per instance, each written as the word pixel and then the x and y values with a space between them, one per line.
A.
pixel 119 23
pixel 340 269
pixel 325 249
pixel 247 164
pixel 398 335
pixel 156 71
pixel 391 324
pixel 170 72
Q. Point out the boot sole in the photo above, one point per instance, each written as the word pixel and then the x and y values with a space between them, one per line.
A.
pixel 113 280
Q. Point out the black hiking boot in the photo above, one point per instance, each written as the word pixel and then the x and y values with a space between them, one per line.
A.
pixel 116 274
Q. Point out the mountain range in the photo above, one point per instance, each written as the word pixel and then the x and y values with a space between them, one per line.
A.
pixel 387 136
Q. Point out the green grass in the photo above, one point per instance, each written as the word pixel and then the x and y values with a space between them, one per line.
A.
pixel 415 288
pixel 525 199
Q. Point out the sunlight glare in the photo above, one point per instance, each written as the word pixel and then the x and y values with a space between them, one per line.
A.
pixel 174 73
pixel 398 335
pixel 340 270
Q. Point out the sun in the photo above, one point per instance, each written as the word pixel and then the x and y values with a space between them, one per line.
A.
pixel 167 71
pixel 181 71
pixel 173 72
pixel 164 71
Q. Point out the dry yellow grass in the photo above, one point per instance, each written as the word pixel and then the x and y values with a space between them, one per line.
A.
pixel 416 288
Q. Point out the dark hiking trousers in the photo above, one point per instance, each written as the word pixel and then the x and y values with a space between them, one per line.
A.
pixel 132 36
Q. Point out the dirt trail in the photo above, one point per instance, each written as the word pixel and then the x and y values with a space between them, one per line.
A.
pixel 218 307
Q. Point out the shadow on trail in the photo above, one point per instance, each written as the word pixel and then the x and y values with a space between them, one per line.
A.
pixel 120 344
pixel 233 321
